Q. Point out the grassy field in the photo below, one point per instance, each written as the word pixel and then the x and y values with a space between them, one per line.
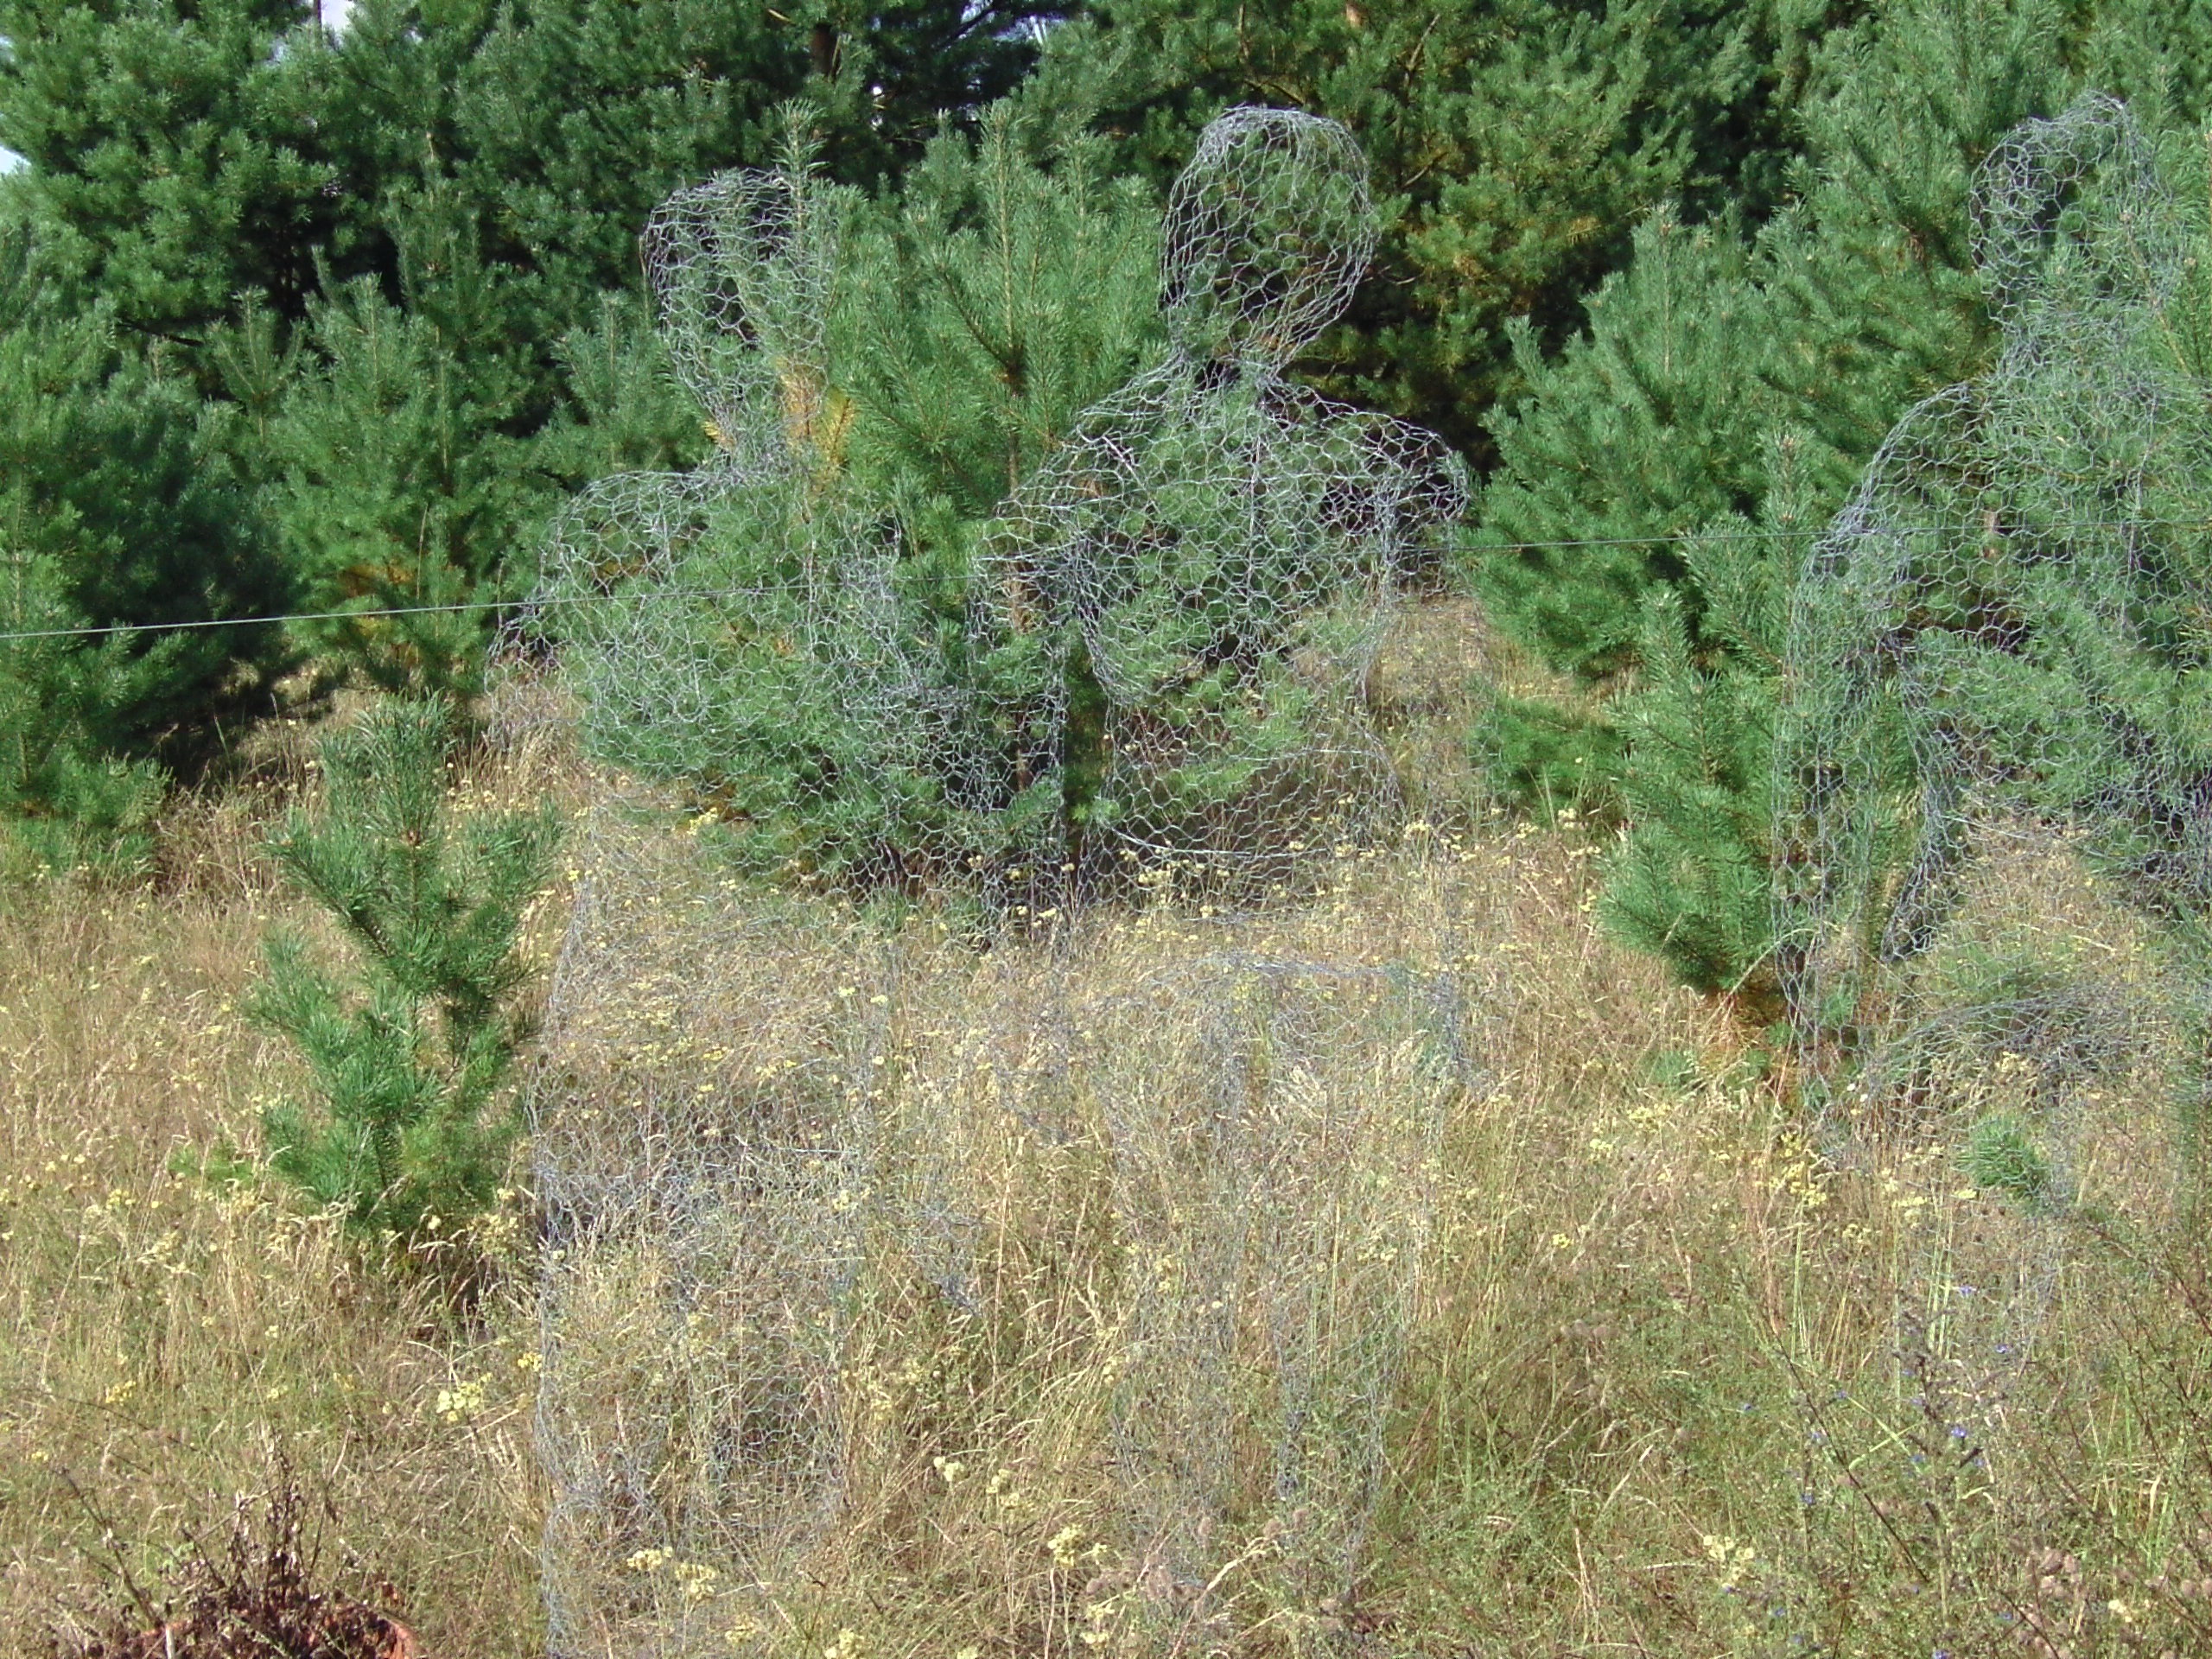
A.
pixel 1587 1348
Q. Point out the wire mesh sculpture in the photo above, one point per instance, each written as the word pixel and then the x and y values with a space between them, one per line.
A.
pixel 736 632
pixel 1192 591
pixel 703 1201
pixel 745 1153
pixel 1993 763
pixel 1994 637
pixel 1277 1127
pixel 1181 610
pixel 699 1172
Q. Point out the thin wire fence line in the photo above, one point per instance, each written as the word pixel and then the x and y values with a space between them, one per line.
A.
pixel 545 600
pixel 538 603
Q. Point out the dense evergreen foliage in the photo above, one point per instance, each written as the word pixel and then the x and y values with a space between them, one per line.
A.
pixel 122 502
pixel 1660 480
pixel 337 323
pixel 393 249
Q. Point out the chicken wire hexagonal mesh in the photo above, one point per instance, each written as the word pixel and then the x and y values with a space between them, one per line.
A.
pixel 779 1132
pixel 1190 592
pixel 1277 1128
pixel 742 270
pixel 813 1184
pixel 1993 763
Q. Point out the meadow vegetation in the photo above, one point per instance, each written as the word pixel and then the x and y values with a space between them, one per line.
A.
pixel 1670 1381
pixel 838 933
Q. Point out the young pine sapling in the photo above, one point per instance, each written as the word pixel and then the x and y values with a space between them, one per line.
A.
pixel 410 1049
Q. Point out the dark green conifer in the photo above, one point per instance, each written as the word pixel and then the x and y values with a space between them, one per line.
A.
pixel 173 165
pixel 1709 360
pixel 120 507
pixel 409 1047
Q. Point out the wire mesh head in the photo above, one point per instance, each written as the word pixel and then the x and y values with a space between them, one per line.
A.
pixel 1269 230
pixel 2070 218
pixel 742 269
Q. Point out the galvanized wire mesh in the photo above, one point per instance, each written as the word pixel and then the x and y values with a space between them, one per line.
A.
pixel 783 1135
pixel 743 270
pixel 1277 1128
pixel 786 1151
pixel 1193 588
pixel 701 1172
pixel 1993 764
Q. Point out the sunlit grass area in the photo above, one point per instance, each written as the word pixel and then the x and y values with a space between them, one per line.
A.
pixel 1399 1268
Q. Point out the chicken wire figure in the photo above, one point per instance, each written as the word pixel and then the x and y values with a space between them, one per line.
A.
pixel 704 1173
pixel 1277 1127
pixel 735 631
pixel 742 269
pixel 1992 746
pixel 1218 551
pixel 701 1169
pixel 1192 592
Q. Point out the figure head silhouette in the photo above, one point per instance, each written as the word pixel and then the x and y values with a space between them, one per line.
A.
pixel 741 270
pixel 2071 224
pixel 1270 229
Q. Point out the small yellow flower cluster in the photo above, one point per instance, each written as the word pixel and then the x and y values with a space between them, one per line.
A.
pixel 1734 1558
pixel 695 1578
pixel 463 1401
pixel 1066 1546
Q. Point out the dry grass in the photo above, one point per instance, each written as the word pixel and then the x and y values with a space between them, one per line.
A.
pixel 1656 1375
pixel 165 1339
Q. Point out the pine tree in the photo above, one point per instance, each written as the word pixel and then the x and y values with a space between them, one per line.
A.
pixel 397 482
pixel 898 69
pixel 1693 883
pixel 1009 285
pixel 172 166
pixel 410 1049
pixel 64 803
pixel 542 135
pixel 1643 430
pixel 120 507
pixel 1706 361
pixel 624 410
